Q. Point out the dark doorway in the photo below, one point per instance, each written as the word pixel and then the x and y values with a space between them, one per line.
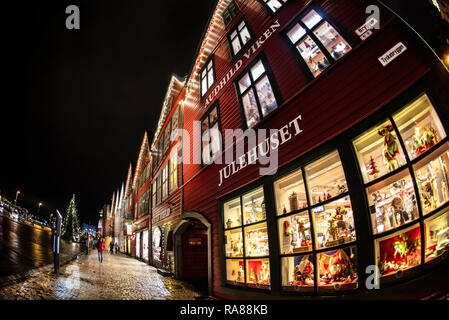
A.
pixel 194 255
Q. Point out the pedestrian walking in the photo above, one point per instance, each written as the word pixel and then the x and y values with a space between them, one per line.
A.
pixel 116 247
pixel 101 247
pixel 111 247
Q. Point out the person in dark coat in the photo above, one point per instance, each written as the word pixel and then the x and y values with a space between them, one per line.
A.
pixel 101 248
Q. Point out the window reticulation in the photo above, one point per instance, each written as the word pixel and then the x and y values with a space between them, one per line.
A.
pixel 256 93
pixel 143 203
pixel 239 37
pixel 246 241
pixel 175 125
pixel 207 77
pixel 274 5
pixel 167 134
pixel 231 11
pixel 404 161
pixel 210 136
pixel 154 193
pixel 318 42
pixel 174 171
pixel 165 181
pixel 314 215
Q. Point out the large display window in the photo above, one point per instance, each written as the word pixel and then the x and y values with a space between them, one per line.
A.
pixel 290 193
pixel 436 230
pixel 419 126
pixel 338 270
pixel 295 234
pixel 247 240
pixel 392 202
pixel 432 178
pixel 398 252
pixel 298 273
pixel 379 152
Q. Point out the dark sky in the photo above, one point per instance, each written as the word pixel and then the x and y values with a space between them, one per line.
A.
pixel 76 103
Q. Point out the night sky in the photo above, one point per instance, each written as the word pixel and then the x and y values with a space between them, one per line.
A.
pixel 76 103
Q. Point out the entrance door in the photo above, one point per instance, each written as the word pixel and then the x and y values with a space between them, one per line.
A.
pixel 138 245
pixel 194 264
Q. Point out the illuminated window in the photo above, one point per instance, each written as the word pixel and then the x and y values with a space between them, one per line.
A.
pixel 211 142
pixel 256 94
pixel 174 170
pixel 231 11
pixel 246 247
pixel 318 42
pixel 437 235
pixel 175 125
pixel 207 75
pixel 274 5
pixel 165 181
pixel 239 37
pixel 154 193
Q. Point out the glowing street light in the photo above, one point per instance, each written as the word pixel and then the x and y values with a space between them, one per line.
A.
pixel 39 205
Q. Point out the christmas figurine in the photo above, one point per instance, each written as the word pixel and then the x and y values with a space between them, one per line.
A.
pixel 423 139
pixel 391 148
pixel 373 168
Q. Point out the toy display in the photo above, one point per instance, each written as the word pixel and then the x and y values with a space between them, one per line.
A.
pixel 399 252
pixel 290 193
pixel 235 271
pixel 258 273
pixel 298 273
pixel 256 241
pixel 338 270
pixel 392 205
pixel 432 180
pixel 334 224
pixel 424 139
pixel 232 214
pixel 296 235
pixel 391 148
pixel 234 243
pixel 437 236
pixel 253 210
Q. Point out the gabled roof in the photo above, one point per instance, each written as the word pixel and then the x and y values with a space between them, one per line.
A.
pixel 208 43
pixel 174 88
pixel 144 152
pixel 128 181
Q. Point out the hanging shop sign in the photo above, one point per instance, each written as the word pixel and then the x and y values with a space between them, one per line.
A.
pixel 246 56
pixel 364 32
pixel 392 54
pixel 164 214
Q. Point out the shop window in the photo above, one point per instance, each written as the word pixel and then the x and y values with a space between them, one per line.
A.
pixel 235 272
pixel 392 202
pixel 437 235
pixel 232 214
pixel 379 152
pixel 298 273
pixel 174 170
pixel 234 243
pixel 295 233
pixel 326 179
pixel 231 11
pixel 432 178
pixel 258 273
pixel 274 5
pixel 256 94
pixel 157 244
pixel 398 252
pixel 419 126
pixel 159 189
pixel 334 223
pixel 165 182
pixel 318 42
pixel 337 270
pixel 248 240
pixel 290 193
pixel 207 75
pixel 239 37
pixel 211 142
pixel 166 139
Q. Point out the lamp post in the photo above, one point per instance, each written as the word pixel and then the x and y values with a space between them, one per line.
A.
pixel 15 201
pixel 38 209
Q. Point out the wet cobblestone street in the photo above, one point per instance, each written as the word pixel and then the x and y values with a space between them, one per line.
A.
pixel 117 278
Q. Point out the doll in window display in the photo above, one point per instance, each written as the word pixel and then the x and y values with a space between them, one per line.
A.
pixel 423 139
pixel 400 215
pixel 303 273
pixel 337 268
pixel 391 148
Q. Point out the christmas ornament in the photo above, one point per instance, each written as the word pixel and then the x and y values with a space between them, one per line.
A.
pixel 391 148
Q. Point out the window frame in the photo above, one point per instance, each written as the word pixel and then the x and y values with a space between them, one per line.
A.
pixel 310 32
pixel 277 93
pixel 218 121
pixel 173 171
pixel 242 46
pixel 164 173
pixel 228 23
pixel 204 68
pixel 270 12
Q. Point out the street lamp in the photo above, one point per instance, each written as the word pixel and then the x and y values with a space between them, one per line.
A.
pixel 15 201
pixel 38 209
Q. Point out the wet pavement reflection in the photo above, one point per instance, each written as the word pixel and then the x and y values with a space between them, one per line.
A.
pixel 117 278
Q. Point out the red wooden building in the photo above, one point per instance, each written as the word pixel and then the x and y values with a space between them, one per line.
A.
pixel 357 121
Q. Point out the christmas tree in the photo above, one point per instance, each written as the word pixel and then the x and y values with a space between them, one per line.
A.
pixel 70 225
pixel 373 168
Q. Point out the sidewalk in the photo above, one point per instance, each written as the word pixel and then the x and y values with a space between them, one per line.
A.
pixel 117 278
